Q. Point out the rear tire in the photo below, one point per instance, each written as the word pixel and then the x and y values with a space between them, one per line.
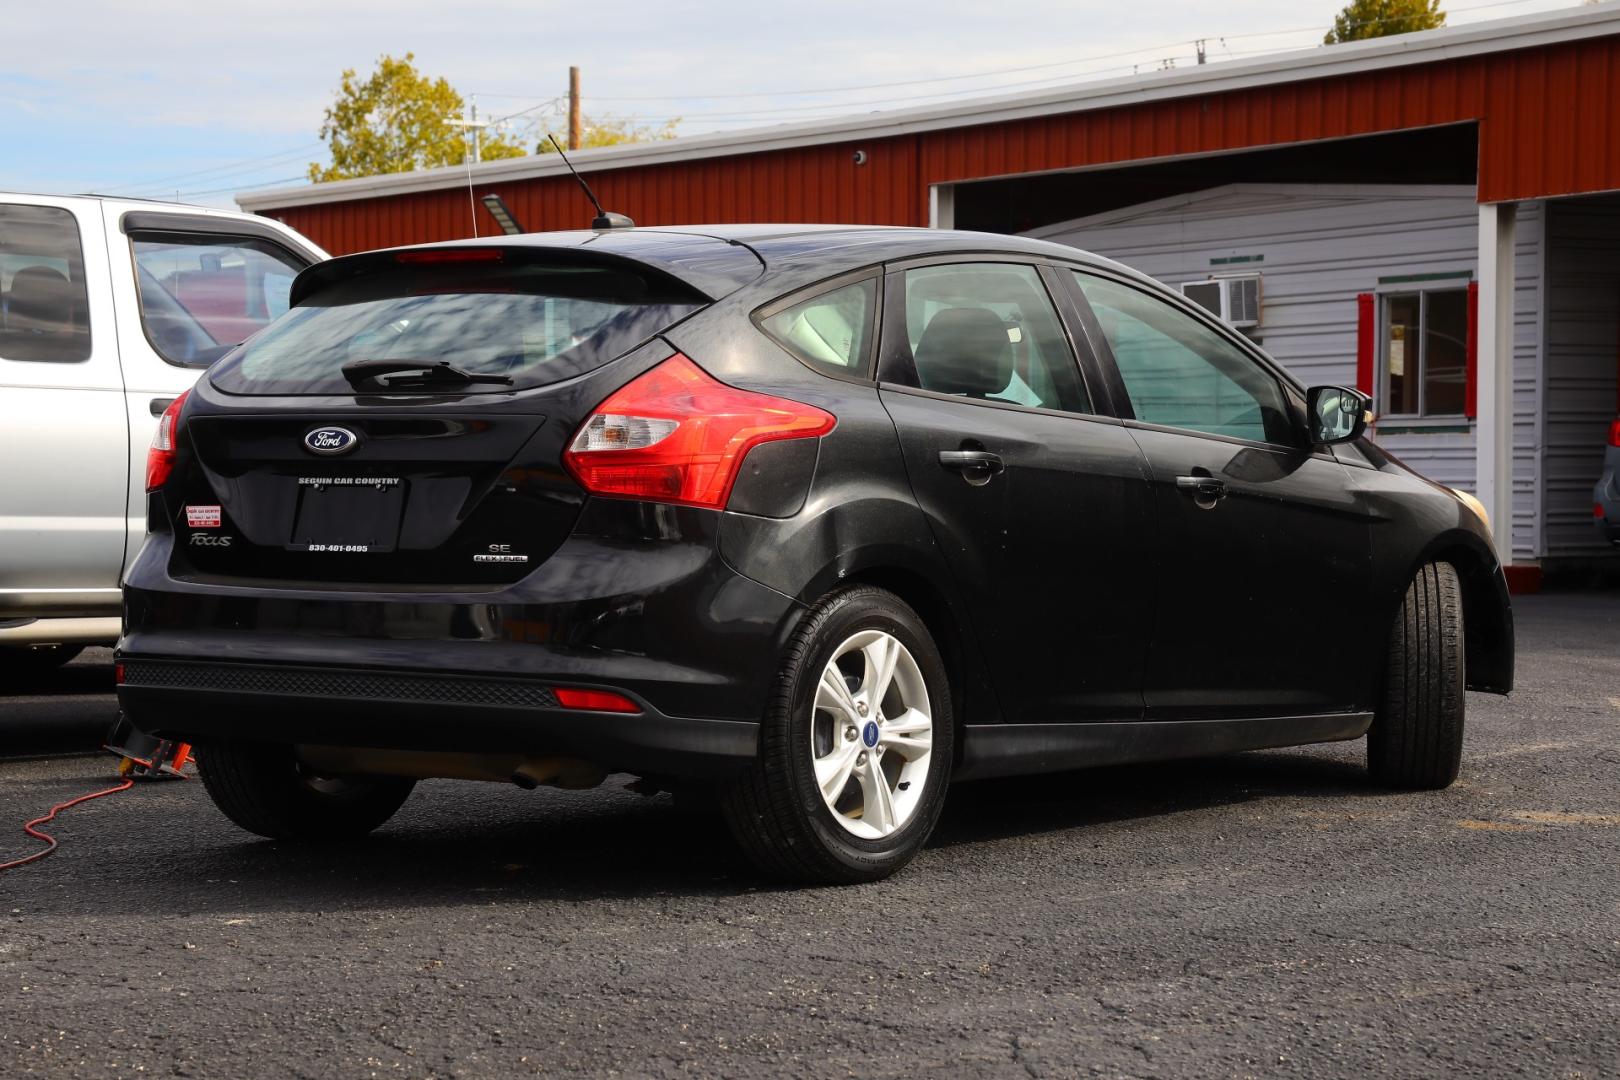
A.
pixel 861 661
pixel 1416 738
pixel 264 789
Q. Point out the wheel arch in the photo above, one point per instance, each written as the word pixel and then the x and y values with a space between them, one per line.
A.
pixel 1487 611
pixel 971 693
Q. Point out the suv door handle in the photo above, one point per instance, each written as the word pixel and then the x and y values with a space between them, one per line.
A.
pixel 159 405
pixel 1205 490
pixel 966 461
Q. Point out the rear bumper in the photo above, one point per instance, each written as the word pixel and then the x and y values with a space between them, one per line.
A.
pixel 638 601
pixel 201 701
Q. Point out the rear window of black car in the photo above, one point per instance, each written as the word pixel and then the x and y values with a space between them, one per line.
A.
pixel 532 322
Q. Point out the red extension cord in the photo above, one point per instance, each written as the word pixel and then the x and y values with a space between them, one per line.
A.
pixel 58 808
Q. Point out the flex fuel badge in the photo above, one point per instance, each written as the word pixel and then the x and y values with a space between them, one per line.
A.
pixel 203 517
pixel 499 553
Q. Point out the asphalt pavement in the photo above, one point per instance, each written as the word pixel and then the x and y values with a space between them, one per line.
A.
pixel 1266 914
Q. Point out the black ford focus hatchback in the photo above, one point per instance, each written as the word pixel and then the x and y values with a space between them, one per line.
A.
pixel 819 519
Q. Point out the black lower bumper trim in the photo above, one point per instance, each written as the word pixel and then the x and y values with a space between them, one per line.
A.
pixel 202 702
pixel 339 684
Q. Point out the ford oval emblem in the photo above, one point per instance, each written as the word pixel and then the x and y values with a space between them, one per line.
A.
pixel 331 440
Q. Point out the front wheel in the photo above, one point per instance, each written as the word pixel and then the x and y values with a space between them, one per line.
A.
pixel 1416 738
pixel 855 746
pixel 265 789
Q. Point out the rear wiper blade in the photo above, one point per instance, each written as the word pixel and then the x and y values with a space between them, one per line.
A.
pixel 423 373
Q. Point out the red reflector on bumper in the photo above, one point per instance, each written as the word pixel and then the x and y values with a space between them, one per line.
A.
pixel 595 700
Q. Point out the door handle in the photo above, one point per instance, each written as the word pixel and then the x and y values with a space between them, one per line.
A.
pixel 1205 490
pixel 159 405
pixel 972 461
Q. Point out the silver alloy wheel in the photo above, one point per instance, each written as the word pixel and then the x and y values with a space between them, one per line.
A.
pixel 871 734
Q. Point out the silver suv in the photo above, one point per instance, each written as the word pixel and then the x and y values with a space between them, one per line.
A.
pixel 108 310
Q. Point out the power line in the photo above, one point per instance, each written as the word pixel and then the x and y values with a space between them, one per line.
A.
pixel 863 86
pixel 827 110
pixel 237 187
pixel 843 108
pixel 229 166
pixel 1150 49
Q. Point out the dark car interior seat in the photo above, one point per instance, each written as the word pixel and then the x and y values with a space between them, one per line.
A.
pixel 43 320
pixel 965 351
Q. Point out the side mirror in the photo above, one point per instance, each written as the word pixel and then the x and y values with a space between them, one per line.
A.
pixel 1335 414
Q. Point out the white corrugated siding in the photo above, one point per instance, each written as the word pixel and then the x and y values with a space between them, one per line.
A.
pixel 1583 353
pixel 1321 245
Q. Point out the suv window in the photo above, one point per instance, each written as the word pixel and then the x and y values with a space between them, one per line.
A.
pixel 988 331
pixel 203 295
pixel 44 306
pixel 1180 373
pixel 831 331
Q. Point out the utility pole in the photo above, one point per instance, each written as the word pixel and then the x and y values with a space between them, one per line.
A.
pixel 573 108
pixel 476 126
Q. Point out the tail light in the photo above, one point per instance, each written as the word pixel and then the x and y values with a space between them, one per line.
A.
pixel 160 458
pixel 1614 433
pixel 676 435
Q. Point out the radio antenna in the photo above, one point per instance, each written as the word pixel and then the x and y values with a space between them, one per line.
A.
pixel 604 219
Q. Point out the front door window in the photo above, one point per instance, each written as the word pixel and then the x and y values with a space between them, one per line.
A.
pixel 1181 373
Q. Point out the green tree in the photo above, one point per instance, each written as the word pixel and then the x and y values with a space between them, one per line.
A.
pixel 1379 18
pixel 613 133
pixel 397 120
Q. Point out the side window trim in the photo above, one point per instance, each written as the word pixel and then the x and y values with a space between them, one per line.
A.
pixel 1101 349
pixel 896 368
pixel 865 375
pixel 1083 339
pixel 894 346
pixel 1288 386
pixel 205 227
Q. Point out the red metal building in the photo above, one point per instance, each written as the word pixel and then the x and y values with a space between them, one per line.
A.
pixel 1543 91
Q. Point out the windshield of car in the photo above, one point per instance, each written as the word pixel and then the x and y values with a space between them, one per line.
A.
pixel 534 324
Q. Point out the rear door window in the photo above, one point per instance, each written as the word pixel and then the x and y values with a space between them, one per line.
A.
pixel 44 305
pixel 201 296
pixel 533 322
pixel 988 331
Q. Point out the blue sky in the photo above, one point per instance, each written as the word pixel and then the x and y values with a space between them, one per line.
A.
pixel 202 100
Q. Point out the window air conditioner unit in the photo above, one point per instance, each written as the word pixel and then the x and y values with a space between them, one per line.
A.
pixel 1234 300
